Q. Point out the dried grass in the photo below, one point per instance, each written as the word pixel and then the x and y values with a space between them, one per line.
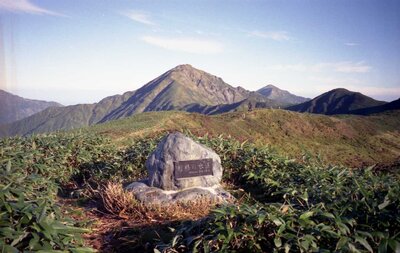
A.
pixel 117 201
pixel 122 203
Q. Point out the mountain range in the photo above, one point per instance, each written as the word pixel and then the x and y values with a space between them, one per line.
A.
pixel 13 107
pixel 181 88
pixel 186 88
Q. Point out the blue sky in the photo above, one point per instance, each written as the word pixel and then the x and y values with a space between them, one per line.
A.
pixel 79 51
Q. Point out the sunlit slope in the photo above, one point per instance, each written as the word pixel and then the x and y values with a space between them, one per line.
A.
pixel 351 140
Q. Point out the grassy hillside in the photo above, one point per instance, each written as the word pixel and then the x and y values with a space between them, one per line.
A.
pixel 350 140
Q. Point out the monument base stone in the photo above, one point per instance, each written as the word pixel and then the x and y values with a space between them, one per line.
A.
pixel 155 196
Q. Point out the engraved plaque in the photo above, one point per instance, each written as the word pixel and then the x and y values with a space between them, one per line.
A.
pixel 193 168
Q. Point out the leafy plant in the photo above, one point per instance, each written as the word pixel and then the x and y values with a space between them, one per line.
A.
pixel 293 205
pixel 31 170
pixel 299 207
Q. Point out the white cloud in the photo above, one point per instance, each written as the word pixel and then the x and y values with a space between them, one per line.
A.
pixel 185 44
pixel 351 44
pixel 274 35
pixel 25 6
pixel 139 16
pixel 343 67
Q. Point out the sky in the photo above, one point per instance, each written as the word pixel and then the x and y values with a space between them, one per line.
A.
pixel 80 51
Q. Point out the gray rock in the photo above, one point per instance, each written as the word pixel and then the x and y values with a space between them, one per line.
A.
pixel 192 194
pixel 155 196
pixel 177 147
pixel 137 187
pixel 212 193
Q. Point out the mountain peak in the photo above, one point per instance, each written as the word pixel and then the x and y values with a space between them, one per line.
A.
pixel 340 90
pixel 179 88
pixel 270 86
pixel 272 92
pixel 184 67
pixel 187 71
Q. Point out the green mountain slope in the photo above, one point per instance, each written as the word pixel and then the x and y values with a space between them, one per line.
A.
pixel 350 139
pixel 274 93
pixel 13 108
pixel 337 101
pixel 68 117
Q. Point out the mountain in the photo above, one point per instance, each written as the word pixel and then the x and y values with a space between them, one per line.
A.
pixel 181 88
pixel 337 101
pixel 274 93
pixel 68 117
pixel 13 107
pixel 178 88
pixel 394 105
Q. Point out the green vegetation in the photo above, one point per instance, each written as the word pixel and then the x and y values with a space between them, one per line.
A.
pixel 297 207
pixel 285 204
pixel 33 170
pixel 30 218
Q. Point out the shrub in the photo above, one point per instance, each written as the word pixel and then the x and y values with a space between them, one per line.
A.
pixel 31 170
pixel 300 207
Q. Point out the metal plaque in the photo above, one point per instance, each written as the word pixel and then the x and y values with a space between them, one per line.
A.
pixel 193 168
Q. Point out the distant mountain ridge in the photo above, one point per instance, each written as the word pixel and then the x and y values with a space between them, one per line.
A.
pixel 272 92
pixel 65 118
pixel 184 88
pixel 181 88
pixel 337 101
pixel 13 107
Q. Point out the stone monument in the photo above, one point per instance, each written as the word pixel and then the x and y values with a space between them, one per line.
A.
pixel 180 169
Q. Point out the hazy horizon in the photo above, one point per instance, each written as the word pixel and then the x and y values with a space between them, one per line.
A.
pixel 85 51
